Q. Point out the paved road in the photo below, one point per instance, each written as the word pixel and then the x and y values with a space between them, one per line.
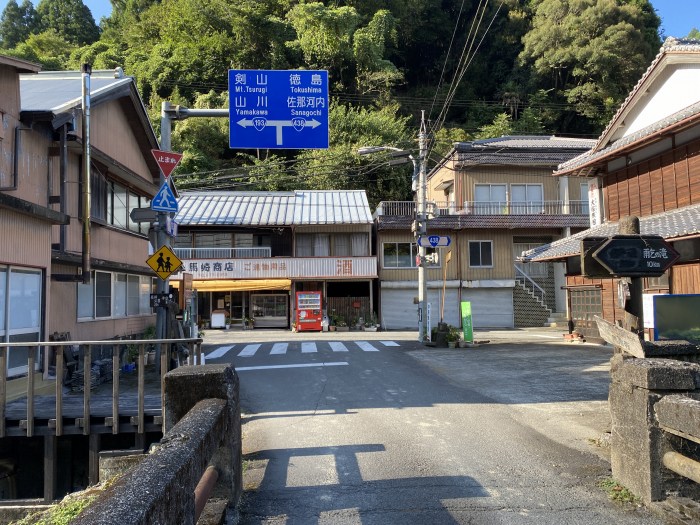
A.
pixel 372 428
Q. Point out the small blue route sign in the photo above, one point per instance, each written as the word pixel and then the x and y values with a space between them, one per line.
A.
pixel 278 109
pixel 434 241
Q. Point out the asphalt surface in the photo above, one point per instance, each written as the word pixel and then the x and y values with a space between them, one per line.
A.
pixel 375 428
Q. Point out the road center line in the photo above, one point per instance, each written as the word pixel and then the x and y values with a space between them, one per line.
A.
pixel 303 365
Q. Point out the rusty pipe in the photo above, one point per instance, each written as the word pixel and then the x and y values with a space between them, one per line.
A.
pixel 204 489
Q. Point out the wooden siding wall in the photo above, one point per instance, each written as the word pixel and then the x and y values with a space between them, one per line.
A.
pixel 9 113
pixel 685 278
pixel 655 185
pixel 459 265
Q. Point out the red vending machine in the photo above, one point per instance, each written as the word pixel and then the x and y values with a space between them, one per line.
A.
pixel 309 313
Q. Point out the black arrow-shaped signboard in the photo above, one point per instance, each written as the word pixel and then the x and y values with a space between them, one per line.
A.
pixel 636 255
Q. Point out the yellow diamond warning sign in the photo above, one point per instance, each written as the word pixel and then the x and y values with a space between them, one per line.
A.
pixel 164 262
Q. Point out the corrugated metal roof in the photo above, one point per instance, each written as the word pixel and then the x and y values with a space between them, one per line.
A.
pixel 549 142
pixel 55 91
pixel 681 222
pixel 250 208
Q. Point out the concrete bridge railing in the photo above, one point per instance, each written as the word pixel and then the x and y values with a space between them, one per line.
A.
pixel 202 418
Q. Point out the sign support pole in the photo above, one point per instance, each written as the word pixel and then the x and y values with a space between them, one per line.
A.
pixel 634 309
pixel 161 238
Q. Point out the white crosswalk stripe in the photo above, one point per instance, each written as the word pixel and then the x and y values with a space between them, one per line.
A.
pixel 308 348
pixel 389 343
pixel 337 346
pixel 366 346
pixel 249 350
pixel 220 352
pixel 279 348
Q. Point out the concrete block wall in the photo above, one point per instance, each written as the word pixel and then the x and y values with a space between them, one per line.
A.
pixel 638 442
pixel 528 311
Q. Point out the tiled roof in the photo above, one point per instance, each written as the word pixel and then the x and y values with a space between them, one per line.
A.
pixel 670 45
pixel 681 222
pixel 463 222
pixel 545 151
pixel 602 148
pixel 591 156
pixel 252 208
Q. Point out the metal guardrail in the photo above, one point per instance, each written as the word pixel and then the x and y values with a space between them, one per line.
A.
pixel 59 348
pixel 260 252
pixel 408 208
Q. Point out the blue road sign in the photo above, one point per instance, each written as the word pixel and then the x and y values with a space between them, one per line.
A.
pixel 434 241
pixel 278 109
pixel 165 199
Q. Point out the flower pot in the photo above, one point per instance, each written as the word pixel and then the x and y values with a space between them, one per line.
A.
pixel 370 328
pixel 331 328
pixel 342 328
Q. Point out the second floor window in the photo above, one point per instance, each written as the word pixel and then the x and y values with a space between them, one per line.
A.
pixel 480 254
pixel 526 198
pixel 490 198
pixel 112 203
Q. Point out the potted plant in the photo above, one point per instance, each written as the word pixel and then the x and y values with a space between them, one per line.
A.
pixel 452 336
pixel 248 323
pixel 332 320
pixel 371 323
pixel 150 333
pixel 341 325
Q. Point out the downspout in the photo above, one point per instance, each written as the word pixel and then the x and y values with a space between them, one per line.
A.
pixel 63 167
pixel 86 70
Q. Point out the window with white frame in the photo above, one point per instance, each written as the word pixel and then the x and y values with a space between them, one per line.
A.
pixel 403 255
pixel 480 254
pixel 20 314
pixel 490 199
pixel 113 295
pixel 526 198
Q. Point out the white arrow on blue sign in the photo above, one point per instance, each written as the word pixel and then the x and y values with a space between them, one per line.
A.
pixel 165 199
pixel 434 241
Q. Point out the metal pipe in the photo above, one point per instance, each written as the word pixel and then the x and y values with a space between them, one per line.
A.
pixel 63 169
pixel 86 70
pixel 204 489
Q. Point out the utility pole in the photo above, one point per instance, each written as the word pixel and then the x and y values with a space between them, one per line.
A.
pixel 421 230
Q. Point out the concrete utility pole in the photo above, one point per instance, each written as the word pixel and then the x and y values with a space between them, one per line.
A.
pixel 421 230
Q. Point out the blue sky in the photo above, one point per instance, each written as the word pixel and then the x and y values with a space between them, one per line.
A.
pixel 678 17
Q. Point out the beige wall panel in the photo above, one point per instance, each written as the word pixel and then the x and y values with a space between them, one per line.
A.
pixel 575 188
pixel 114 245
pixel 9 87
pixel 502 250
pixel 508 176
pixel 24 240
pixel 111 133
pixel 33 169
